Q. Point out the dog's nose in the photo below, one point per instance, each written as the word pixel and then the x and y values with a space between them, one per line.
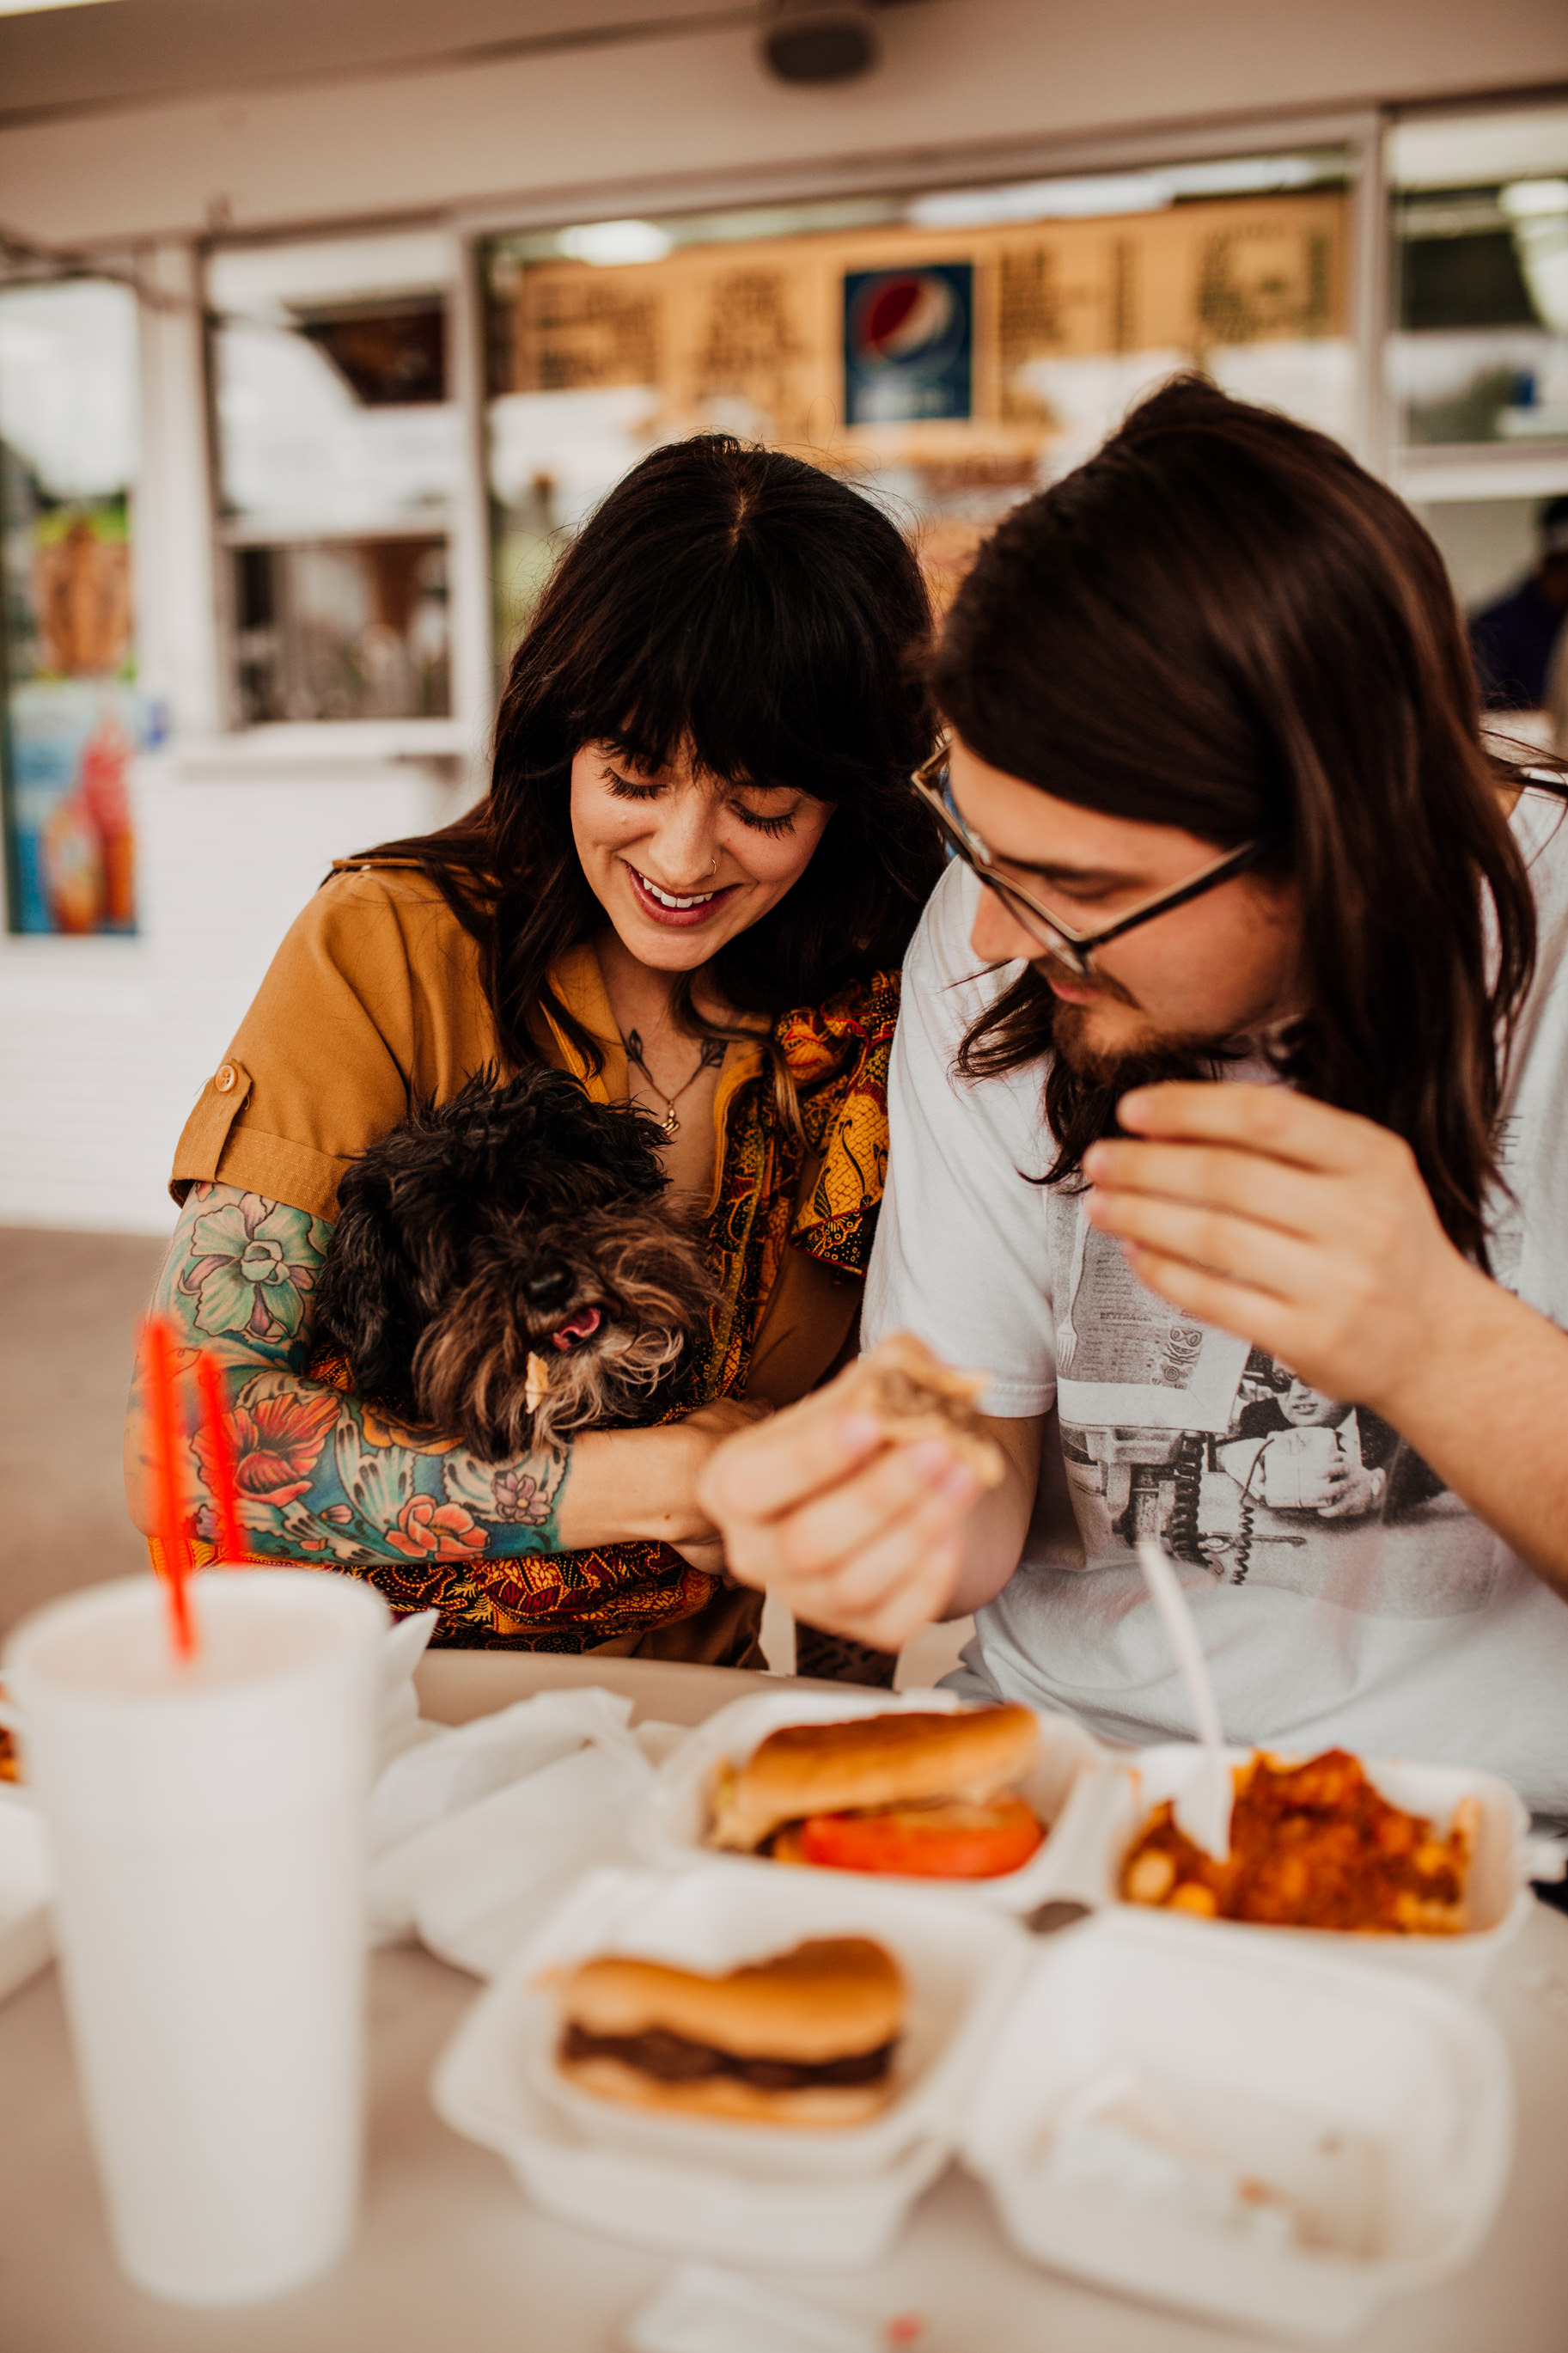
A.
pixel 552 1287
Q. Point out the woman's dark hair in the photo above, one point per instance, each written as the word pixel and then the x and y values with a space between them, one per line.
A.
pixel 1222 622
pixel 744 603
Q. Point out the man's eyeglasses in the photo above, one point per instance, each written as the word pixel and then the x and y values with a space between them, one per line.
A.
pixel 1075 949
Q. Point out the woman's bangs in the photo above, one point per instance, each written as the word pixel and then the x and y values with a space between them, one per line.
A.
pixel 750 702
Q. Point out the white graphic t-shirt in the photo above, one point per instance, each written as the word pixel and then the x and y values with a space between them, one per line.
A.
pixel 1342 1593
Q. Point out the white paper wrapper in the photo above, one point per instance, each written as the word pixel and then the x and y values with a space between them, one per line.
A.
pixel 475 1832
pixel 702 2310
pixel 398 1725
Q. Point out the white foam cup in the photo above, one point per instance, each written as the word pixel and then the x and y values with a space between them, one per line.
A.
pixel 208 1823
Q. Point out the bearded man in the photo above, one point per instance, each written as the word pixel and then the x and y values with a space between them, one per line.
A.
pixel 1237 1032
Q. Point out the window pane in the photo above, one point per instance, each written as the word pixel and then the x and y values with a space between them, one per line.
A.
pixel 68 433
pixel 952 350
pixel 339 457
pixel 341 630
pixel 332 381
pixel 1487 544
pixel 1480 231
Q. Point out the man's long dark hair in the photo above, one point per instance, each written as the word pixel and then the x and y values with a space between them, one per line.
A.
pixel 1222 622
pixel 739 602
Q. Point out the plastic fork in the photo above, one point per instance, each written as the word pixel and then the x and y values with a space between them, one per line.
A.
pixel 1203 1806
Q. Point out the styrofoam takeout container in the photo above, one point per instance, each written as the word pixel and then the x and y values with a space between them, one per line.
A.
pixel 677 2209
pixel 1381 2105
pixel 1111 1804
pixel 26 1886
pixel 748 2192
pixel 670 1826
pixel 960 1968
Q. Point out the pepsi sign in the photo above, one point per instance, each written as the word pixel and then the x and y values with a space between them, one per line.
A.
pixel 909 343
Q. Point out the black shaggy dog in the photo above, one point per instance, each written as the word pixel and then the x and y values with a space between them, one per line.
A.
pixel 503 1268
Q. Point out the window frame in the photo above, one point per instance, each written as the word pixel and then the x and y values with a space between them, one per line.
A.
pixel 453 738
pixel 1461 472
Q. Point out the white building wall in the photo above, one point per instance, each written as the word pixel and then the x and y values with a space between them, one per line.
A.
pixel 105 1042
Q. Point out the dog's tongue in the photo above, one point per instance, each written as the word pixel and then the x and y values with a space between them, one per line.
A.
pixel 581 1326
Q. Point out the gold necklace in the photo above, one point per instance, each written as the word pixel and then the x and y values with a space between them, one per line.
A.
pixel 712 1051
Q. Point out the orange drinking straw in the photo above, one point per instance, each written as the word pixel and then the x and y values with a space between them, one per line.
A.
pixel 221 1471
pixel 160 1381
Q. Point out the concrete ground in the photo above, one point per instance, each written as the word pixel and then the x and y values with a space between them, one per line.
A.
pixel 69 1305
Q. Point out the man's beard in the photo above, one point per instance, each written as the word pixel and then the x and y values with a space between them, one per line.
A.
pixel 1148 1056
pixel 1069 1026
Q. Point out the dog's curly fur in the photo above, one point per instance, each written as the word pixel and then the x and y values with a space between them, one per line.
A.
pixel 478 1231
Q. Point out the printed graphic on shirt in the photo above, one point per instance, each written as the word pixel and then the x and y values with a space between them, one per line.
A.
pixel 1122 1351
pixel 1171 1430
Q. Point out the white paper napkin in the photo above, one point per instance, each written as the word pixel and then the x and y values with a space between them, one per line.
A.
pixel 398 1725
pixel 700 2309
pixel 475 1832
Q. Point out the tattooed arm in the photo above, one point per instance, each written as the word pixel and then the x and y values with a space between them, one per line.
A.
pixel 322 1474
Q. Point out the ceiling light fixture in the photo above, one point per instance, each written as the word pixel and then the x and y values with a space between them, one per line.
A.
pixel 807 41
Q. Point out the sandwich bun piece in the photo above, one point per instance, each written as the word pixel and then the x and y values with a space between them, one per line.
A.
pixel 829 1997
pixel 805 2038
pixel 914 1395
pixel 903 1758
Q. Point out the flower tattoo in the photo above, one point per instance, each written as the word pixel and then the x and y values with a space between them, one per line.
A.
pixel 323 1476
pixel 277 1442
pixel 251 1264
pixel 518 1500
pixel 427 1530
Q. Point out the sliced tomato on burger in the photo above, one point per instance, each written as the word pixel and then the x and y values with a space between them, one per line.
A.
pixel 947 1841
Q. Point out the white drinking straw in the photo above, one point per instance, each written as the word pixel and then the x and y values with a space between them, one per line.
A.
pixel 1202 1804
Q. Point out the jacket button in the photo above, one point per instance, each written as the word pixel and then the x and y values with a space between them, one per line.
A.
pixel 225 1078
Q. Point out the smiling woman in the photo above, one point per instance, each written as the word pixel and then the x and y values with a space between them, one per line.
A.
pixel 749 845
pixel 762 838
pixel 691 885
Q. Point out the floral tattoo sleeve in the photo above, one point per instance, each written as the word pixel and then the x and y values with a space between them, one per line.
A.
pixel 320 1471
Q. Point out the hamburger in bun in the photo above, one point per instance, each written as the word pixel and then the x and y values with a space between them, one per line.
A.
pixel 914 1395
pixel 929 1796
pixel 807 2037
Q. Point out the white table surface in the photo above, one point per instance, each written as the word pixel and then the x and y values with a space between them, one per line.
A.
pixel 450 2259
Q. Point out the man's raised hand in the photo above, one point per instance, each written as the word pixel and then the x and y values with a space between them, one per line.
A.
pixel 857 1536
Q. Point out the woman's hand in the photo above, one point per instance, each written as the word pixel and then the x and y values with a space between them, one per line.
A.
pixel 637 1485
pixel 860 1538
pixel 1306 1230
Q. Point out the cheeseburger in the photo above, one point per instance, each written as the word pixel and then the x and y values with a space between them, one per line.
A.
pixel 927 1795
pixel 807 2037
